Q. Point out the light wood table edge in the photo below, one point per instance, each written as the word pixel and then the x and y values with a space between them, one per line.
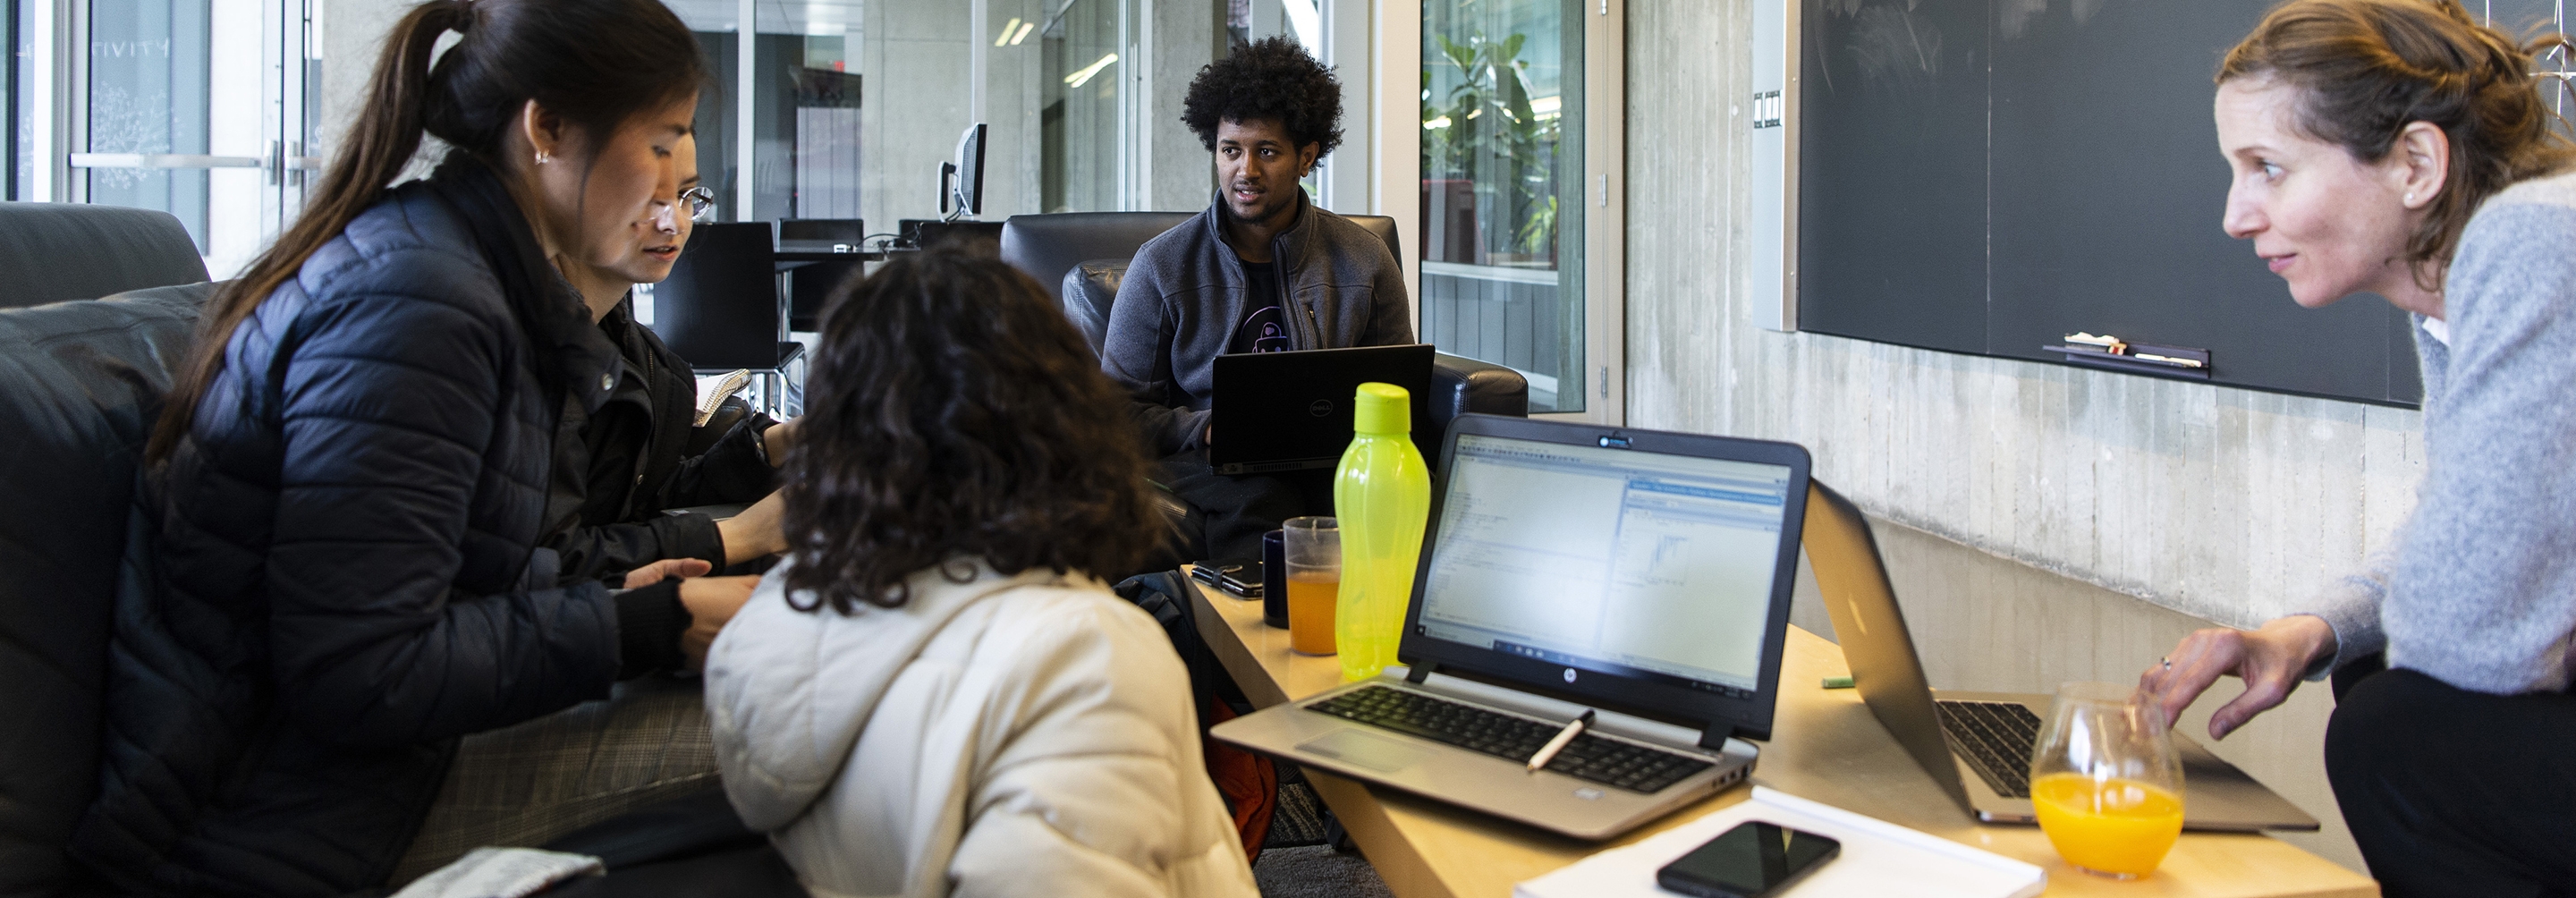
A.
pixel 1378 820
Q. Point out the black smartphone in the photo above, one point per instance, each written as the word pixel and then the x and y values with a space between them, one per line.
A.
pixel 1238 577
pixel 1752 860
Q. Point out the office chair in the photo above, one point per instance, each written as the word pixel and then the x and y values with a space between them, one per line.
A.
pixel 823 230
pixel 720 309
pixel 809 284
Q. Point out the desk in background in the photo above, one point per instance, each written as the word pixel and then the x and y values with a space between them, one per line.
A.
pixel 1825 746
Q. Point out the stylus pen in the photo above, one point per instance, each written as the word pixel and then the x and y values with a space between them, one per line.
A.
pixel 1564 737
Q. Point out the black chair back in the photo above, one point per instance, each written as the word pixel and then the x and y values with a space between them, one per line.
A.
pixel 720 307
pixel 59 251
pixel 1384 228
pixel 1047 246
pixel 837 230
pixel 810 286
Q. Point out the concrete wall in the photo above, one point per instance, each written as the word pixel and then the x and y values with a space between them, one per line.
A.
pixel 2226 504
pixel 1183 35
pixel 353 32
pixel 914 73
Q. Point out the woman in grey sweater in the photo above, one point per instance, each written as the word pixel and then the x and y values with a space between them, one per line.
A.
pixel 2397 147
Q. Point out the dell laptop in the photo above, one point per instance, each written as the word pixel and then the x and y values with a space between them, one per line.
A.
pixel 1286 411
pixel 1977 745
pixel 1566 568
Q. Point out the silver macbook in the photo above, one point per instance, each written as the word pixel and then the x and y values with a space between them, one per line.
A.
pixel 1977 745
pixel 1640 575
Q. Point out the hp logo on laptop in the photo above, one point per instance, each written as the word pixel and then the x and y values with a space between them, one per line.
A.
pixel 1569 675
pixel 1320 408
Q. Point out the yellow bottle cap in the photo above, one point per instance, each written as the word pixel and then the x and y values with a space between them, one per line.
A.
pixel 1382 408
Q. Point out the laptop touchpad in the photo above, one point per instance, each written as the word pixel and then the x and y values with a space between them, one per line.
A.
pixel 1363 749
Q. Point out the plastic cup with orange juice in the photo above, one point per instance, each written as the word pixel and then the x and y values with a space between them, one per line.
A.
pixel 1314 553
pixel 2106 781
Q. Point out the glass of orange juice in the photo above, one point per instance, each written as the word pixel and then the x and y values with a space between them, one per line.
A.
pixel 2106 781
pixel 1314 550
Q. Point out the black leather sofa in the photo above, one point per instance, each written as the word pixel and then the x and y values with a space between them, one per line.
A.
pixel 1086 253
pixel 80 384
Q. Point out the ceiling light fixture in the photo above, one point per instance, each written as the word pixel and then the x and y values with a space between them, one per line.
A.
pixel 1082 77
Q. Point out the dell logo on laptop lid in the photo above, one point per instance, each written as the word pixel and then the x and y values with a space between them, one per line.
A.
pixel 1320 408
pixel 1569 675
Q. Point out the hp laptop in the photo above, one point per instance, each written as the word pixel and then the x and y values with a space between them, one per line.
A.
pixel 1283 411
pixel 1977 745
pixel 1568 567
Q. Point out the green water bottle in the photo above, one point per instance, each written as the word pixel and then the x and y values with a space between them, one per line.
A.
pixel 1382 494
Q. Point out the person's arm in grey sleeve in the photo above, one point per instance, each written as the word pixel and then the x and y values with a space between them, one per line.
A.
pixel 1137 353
pixel 2483 593
pixel 2350 605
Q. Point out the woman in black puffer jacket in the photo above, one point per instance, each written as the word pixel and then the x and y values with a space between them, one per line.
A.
pixel 349 492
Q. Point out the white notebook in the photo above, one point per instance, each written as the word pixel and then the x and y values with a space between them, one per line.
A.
pixel 1878 858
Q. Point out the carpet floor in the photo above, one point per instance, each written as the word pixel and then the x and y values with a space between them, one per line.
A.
pixel 1316 871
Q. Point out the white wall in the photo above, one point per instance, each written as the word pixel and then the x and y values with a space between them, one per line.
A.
pixel 2230 505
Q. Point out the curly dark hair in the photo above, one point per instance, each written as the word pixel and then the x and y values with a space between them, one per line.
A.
pixel 955 414
pixel 1274 79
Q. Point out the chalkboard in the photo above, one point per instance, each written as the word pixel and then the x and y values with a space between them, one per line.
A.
pixel 1989 176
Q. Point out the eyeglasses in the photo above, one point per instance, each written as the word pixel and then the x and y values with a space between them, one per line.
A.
pixel 700 201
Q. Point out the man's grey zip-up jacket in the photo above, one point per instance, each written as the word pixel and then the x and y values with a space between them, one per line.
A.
pixel 1184 295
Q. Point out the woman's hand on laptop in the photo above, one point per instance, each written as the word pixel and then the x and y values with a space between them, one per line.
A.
pixel 2270 661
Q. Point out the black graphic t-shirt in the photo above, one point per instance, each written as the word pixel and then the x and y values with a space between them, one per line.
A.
pixel 1265 328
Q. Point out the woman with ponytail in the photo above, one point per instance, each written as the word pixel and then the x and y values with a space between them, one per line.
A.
pixel 348 654
pixel 2400 147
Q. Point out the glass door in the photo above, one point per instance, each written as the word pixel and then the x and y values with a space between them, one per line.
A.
pixel 1504 190
pixel 198 108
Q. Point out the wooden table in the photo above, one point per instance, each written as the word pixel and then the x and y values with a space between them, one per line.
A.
pixel 1825 746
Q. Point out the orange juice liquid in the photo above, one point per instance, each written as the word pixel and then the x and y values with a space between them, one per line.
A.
pixel 2118 826
pixel 1312 596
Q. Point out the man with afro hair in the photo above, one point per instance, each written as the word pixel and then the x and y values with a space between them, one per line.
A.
pixel 1261 270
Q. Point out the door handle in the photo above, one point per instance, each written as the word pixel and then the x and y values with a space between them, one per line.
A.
pixel 163 160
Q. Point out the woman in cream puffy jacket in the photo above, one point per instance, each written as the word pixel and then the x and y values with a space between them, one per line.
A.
pixel 931 696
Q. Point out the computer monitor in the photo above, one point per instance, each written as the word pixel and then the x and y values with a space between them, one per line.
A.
pixel 961 183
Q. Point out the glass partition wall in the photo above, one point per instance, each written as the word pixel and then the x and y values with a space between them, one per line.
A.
pixel 1503 190
pixel 856 103
pixel 199 108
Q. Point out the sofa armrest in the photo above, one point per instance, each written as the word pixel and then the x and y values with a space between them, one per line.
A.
pixel 1460 385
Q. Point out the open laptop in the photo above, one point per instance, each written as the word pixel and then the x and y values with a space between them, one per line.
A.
pixel 1285 411
pixel 1568 566
pixel 1977 745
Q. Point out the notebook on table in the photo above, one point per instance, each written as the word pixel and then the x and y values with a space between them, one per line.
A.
pixel 1644 576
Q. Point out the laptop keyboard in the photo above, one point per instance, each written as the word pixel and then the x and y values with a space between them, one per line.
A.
pixel 1606 761
pixel 1996 738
